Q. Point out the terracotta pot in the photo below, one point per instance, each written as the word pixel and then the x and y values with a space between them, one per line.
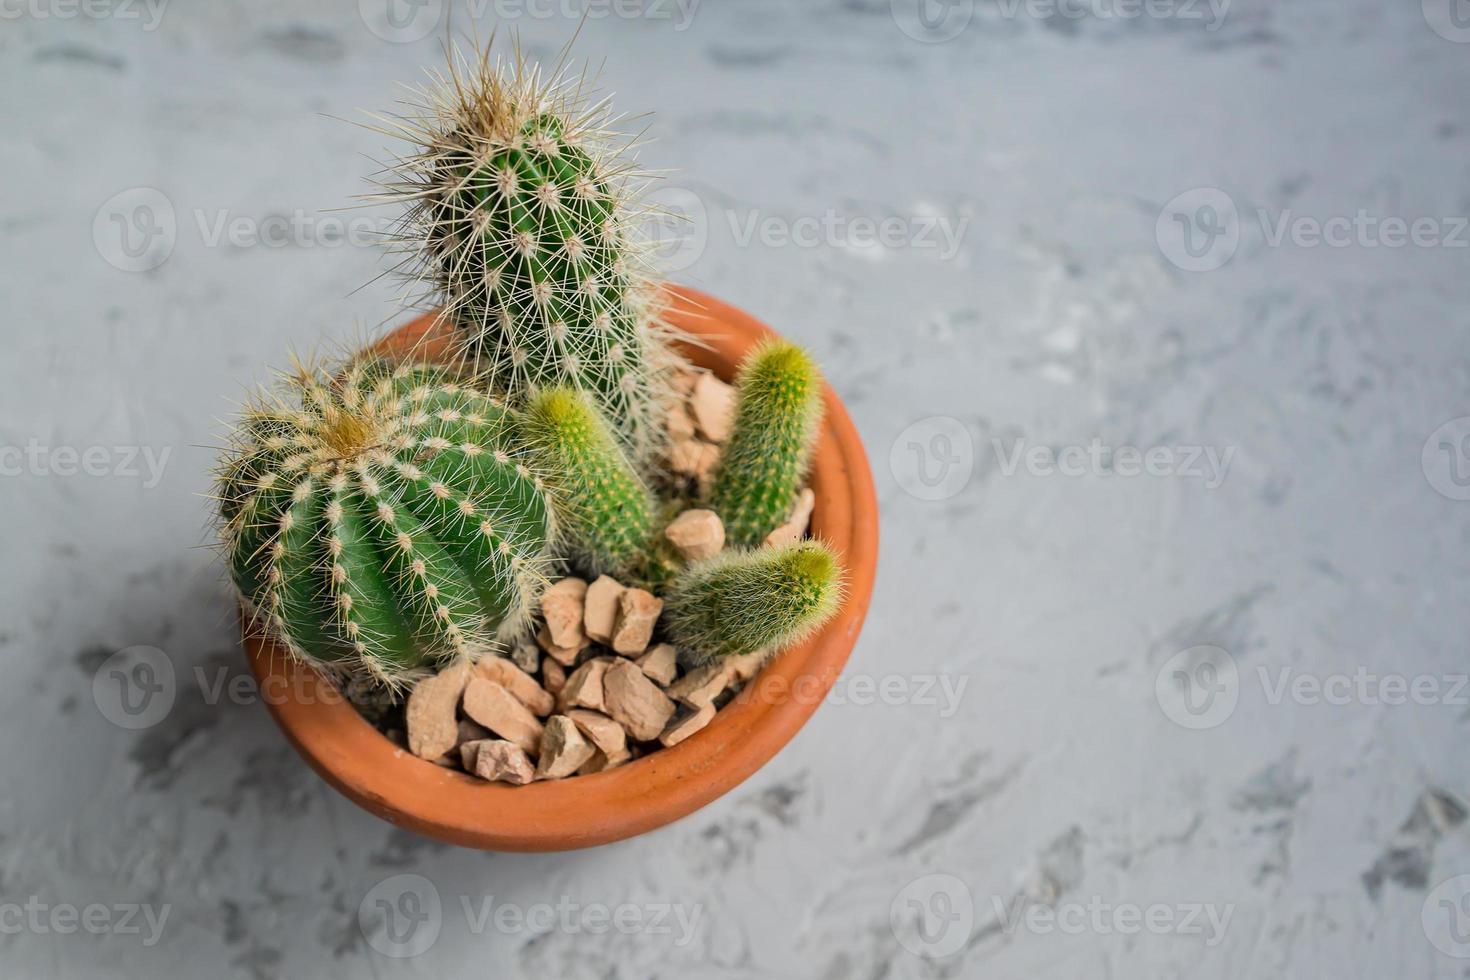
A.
pixel 652 791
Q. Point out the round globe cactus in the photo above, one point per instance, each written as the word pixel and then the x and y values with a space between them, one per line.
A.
pixel 377 521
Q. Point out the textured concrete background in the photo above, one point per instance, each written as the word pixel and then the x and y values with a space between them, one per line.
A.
pixel 1150 725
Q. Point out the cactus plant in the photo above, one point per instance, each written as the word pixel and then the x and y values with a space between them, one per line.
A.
pixel 521 211
pixel 376 521
pixel 741 601
pixel 778 409
pixel 605 512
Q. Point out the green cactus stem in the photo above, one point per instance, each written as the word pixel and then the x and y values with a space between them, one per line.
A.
pixel 741 601
pixel 778 409
pixel 605 513
pixel 521 218
pixel 376 522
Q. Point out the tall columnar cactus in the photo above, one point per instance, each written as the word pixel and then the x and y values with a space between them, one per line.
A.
pixel 605 513
pixel 521 219
pixel 778 409
pixel 742 601
pixel 376 522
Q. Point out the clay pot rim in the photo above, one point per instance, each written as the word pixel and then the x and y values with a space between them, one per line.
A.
pixel 585 811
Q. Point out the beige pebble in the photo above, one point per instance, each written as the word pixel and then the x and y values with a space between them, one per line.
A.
pixel 497 709
pixel 635 702
pixel 601 608
pixel 606 734
pixel 517 682
pixel 701 685
pixel 503 762
pixel 563 749
pixel 746 665
pixel 553 676
pixel 697 533
pixel 680 423
pixel 659 663
pixel 526 656
pixel 584 688
pixel 638 612
pixel 694 457
pixel 432 726
pixel 682 379
pixel 601 762
pixel 712 403
pixel 561 606
pixel 796 524
pixel 679 730
pixel 566 656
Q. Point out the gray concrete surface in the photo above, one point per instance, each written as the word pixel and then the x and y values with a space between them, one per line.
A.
pixel 1196 713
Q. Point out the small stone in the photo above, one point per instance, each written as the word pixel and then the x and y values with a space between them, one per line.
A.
pixel 638 611
pixel 561 606
pixel 601 762
pixel 696 533
pixel 470 750
pixel 553 676
pixel 606 734
pixel 634 702
pixel 694 457
pixel 680 423
pixel 566 656
pixel 700 686
pixel 526 656
pixel 470 731
pixel 601 608
pixel 746 665
pixel 517 682
pixel 712 403
pixel 432 727
pixel 563 749
pixel 659 663
pixel 503 762
pixel 801 515
pixel 584 688
pixel 497 709
pixel 682 380
pixel 686 726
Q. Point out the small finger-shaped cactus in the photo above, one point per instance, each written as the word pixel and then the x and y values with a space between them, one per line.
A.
pixel 520 215
pixel 376 522
pixel 605 513
pixel 742 601
pixel 778 409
